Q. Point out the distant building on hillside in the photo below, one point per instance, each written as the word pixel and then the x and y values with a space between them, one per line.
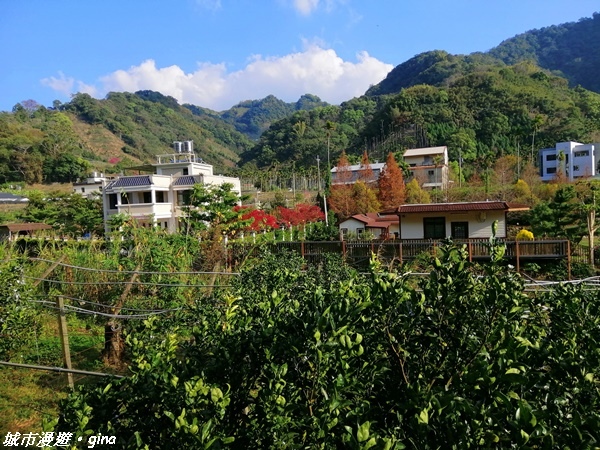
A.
pixel 355 170
pixel 571 159
pixel 429 166
pixel 157 199
pixel 91 185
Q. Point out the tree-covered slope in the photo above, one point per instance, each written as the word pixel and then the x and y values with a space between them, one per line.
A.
pixel 483 113
pixel 65 143
pixel 434 67
pixel 571 48
pixel 253 117
pixel 148 122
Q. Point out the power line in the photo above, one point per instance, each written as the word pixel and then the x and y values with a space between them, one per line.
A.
pixel 69 308
pixel 60 369
pixel 139 283
pixel 111 306
pixel 128 271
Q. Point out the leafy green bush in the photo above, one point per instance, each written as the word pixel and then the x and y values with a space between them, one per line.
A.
pixel 18 319
pixel 297 357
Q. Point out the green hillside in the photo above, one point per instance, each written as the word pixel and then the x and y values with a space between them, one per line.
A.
pixel 570 49
pixel 253 117
pixel 487 112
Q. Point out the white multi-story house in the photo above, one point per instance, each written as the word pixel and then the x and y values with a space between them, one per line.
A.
pixel 429 166
pixel 571 159
pixel 91 185
pixel 158 198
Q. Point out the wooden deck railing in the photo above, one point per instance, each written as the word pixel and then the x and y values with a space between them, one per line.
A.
pixel 359 252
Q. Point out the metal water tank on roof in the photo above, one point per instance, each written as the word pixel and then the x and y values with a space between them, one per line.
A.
pixel 188 146
pixel 178 146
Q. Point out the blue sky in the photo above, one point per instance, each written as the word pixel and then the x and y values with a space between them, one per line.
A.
pixel 216 53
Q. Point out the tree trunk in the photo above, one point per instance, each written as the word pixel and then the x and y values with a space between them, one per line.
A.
pixel 113 339
pixel 113 344
pixel 591 219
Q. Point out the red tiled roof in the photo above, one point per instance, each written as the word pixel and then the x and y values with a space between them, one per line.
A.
pixel 373 220
pixel 463 206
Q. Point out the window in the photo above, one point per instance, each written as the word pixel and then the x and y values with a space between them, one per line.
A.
pixel 430 172
pixel 459 230
pixel 575 168
pixel 550 170
pixel 359 232
pixel 186 171
pixel 183 197
pixel 434 227
pixel 160 197
pixel 344 233
pixel 82 189
pixel 581 154
pixel 147 197
pixel 112 201
pixel 551 157
pixel 124 199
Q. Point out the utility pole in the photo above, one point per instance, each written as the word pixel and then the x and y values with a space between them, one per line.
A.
pixel 64 339
pixel 324 195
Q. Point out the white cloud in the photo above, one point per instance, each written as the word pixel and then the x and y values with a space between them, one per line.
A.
pixel 66 85
pixel 305 7
pixel 315 70
pixel 62 84
pixel 211 5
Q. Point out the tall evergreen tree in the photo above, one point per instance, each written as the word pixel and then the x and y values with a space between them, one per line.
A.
pixel 391 193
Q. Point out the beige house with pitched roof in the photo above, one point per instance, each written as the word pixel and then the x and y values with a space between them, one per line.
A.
pixel 429 166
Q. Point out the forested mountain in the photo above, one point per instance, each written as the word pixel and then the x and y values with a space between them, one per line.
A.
pixel 64 143
pixel 434 67
pixel 527 93
pixel 253 117
pixel 571 48
pixel 487 112
pixel 514 97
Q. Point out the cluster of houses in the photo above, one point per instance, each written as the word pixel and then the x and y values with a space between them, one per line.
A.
pixel 157 194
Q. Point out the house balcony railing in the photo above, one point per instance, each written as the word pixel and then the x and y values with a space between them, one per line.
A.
pixel 145 209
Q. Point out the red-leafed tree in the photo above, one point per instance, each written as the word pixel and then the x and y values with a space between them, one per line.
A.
pixel 340 197
pixel 300 215
pixel 258 219
pixel 365 172
pixel 392 192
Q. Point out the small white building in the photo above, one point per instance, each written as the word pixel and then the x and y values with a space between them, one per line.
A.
pixel 381 226
pixel 429 166
pixel 571 159
pixel 158 198
pixel 91 185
